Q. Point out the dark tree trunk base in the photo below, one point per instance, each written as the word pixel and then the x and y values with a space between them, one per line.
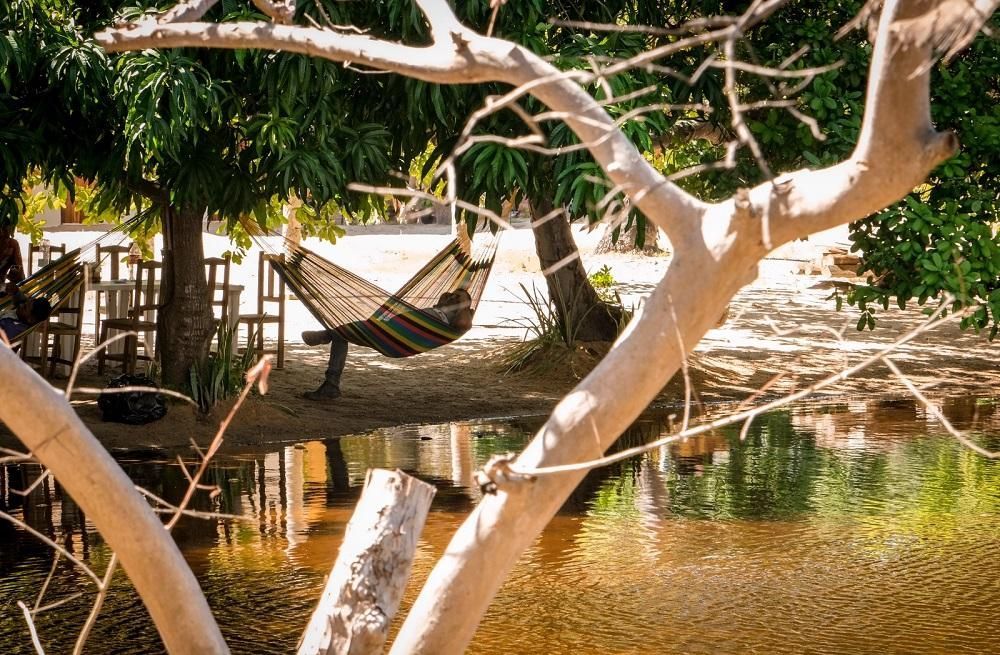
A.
pixel 586 315
pixel 185 323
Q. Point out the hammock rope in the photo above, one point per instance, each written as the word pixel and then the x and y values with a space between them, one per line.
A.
pixel 391 323
pixel 58 280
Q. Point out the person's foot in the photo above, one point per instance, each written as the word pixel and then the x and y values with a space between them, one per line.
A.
pixel 315 337
pixel 326 391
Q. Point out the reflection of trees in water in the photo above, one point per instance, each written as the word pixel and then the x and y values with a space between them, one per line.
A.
pixel 47 509
pixel 779 471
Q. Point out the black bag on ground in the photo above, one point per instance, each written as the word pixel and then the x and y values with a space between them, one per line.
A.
pixel 132 407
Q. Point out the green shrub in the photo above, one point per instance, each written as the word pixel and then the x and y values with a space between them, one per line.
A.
pixel 550 341
pixel 604 284
pixel 223 373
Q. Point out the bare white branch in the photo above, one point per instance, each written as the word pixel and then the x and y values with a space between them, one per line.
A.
pixel 31 628
pixel 187 11
pixel 936 413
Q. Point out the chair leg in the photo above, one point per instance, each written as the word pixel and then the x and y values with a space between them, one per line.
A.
pixel 56 356
pixel 281 341
pixel 130 355
pixel 101 353
pixel 97 313
pixel 73 354
pixel 43 352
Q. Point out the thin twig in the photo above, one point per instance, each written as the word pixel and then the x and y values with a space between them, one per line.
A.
pixel 258 374
pixel 24 492
pixel 84 357
pixel 45 585
pixel 170 507
pixel 58 603
pixel 767 71
pixel 158 390
pixel 102 593
pixel 932 322
pixel 936 413
pixel 31 628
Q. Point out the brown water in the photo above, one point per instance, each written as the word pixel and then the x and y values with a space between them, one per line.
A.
pixel 839 529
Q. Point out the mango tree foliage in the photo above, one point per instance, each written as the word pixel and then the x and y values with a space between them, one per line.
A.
pixel 943 237
pixel 181 134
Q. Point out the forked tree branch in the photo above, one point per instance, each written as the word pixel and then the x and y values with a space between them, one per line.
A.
pixel 717 247
pixel 48 426
pixel 457 56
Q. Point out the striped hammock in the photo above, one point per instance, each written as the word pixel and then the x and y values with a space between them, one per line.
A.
pixel 394 324
pixel 58 280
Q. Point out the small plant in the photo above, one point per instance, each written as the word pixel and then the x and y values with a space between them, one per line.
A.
pixel 551 342
pixel 223 373
pixel 604 284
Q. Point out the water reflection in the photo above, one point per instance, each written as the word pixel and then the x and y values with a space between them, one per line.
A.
pixel 851 527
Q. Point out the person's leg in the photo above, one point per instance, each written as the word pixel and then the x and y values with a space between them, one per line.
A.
pixel 317 337
pixel 330 388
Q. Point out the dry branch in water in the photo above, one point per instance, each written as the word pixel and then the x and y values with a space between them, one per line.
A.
pixel 43 420
pixel 717 246
pixel 366 585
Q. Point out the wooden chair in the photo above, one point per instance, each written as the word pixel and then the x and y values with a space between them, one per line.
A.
pixel 141 319
pixel 112 257
pixel 55 252
pixel 270 308
pixel 66 322
pixel 217 271
pixel 109 260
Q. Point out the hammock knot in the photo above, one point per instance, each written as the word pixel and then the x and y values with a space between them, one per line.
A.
pixel 497 471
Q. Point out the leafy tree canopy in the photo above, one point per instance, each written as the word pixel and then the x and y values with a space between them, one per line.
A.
pixel 218 131
pixel 942 238
pixel 230 132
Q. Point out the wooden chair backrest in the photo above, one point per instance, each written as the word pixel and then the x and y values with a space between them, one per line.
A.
pixel 145 299
pixel 270 285
pixel 112 256
pixel 55 252
pixel 72 308
pixel 217 269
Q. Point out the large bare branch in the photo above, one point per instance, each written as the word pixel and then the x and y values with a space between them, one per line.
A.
pixel 457 56
pixel 45 423
pixel 709 267
pixel 717 249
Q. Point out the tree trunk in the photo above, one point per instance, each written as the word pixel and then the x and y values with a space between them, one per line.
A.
pixel 627 240
pixel 579 308
pixel 367 582
pixel 294 230
pixel 185 323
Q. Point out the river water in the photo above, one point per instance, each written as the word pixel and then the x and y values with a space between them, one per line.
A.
pixel 841 528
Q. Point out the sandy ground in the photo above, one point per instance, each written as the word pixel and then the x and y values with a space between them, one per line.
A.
pixel 782 322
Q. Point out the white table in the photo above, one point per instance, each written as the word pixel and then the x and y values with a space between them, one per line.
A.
pixel 118 294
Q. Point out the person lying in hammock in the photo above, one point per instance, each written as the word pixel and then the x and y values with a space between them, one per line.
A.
pixel 453 308
pixel 25 313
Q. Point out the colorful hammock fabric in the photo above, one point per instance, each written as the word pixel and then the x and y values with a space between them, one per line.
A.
pixel 395 325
